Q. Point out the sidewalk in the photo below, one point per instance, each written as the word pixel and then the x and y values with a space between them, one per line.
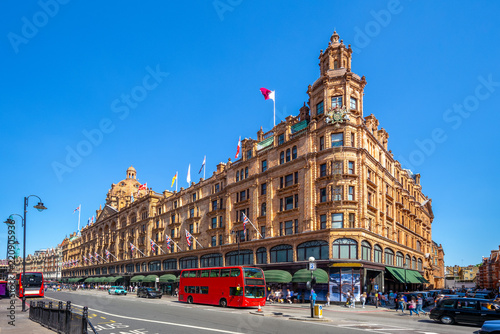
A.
pixel 20 319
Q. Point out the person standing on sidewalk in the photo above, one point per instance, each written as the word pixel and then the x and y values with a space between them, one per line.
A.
pixel 328 299
pixel 363 299
pixel 401 304
pixel 377 299
pixel 313 297
pixel 353 299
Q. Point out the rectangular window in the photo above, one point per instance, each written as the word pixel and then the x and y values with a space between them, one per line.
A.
pixel 281 182
pixel 221 221
pixel 337 193
pixel 319 108
pixel 337 167
pixel 214 205
pixel 296 225
pixel 249 154
pixel 281 139
pixel 220 239
pixel 322 170
pixel 263 231
pixel 264 165
pixel 288 227
pixel 352 218
pixel 214 241
pixel 288 180
pixel 191 228
pixel 353 140
pixel 350 196
pixel 322 195
pixel 296 175
pixel 172 219
pixel 216 188
pixel 289 203
pixel 191 212
pixel 336 101
pixel 281 204
pixel 350 165
pixel 194 197
pixel 337 139
pixel 214 222
pixel 263 188
pixel 321 143
pixel 337 220
pixel 354 104
pixel 243 195
pixel 369 175
pixel 370 198
pixel 322 222
pixel 296 201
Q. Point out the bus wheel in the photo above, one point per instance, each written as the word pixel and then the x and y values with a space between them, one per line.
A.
pixel 190 300
pixel 223 302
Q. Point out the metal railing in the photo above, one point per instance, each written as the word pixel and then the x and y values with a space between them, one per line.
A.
pixel 60 319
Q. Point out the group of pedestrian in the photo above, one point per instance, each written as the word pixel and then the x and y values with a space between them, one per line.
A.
pixel 414 305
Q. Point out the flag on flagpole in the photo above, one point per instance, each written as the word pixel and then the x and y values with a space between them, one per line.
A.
pixel 167 238
pixel 188 238
pixel 173 179
pixel 188 179
pixel 107 254
pixel 143 187
pixel 245 222
pixel 92 220
pixel 132 247
pixel 203 164
pixel 77 209
pixel 131 198
pixel 268 94
pixel 238 148
pixel 152 245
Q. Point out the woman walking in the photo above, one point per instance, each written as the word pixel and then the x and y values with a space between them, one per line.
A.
pixel 420 304
pixel 363 299
pixel 412 306
pixel 401 304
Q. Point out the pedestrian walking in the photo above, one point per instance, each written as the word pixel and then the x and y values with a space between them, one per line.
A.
pixel 328 299
pixel 363 299
pixel 412 306
pixel 353 300
pixel 420 304
pixel 313 297
pixel 401 304
pixel 377 299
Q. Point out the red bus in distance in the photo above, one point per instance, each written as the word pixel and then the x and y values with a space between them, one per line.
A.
pixel 34 285
pixel 224 286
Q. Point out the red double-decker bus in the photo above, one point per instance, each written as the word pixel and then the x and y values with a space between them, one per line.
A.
pixel 33 286
pixel 225 286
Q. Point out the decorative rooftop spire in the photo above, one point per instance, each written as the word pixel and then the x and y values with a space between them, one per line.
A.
pixel 335 37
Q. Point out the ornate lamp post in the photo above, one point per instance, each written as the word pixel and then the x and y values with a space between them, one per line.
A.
pixel 40 207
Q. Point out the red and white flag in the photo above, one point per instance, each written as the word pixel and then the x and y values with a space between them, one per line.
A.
pixel 143 186
pixel 152 245
pixel 245 222
pixel 188 238
pixel 168 241
pixel 77 209
pixel 238 148
pixel 268 94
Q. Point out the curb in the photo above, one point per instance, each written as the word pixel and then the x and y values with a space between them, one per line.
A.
pixel 310 319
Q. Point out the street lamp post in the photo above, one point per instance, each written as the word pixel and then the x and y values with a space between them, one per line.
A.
pixel 40 207
pixel 312 268
pixel 10 222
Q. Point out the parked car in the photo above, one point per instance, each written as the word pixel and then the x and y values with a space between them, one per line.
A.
pixel 465 310
pixel 148 293
pixel 117 290
pixel 490 327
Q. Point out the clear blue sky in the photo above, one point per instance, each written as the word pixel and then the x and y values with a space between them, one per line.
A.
pixel 67 70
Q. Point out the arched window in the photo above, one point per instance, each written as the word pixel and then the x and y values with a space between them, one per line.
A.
pixel 144 266
pixel 366 251
pixel 282 157
pixel 281 253
pixel 245 257
pixel 335 64
pixel 413 263
pixel 241 174
pixel 154 266
pixel 188 262
pixel 389 256
pixel 170 264
pixel 294 152
pixel 211 260
pixel 287 155
pixel 399 259
pixel 408 261
pixel 261 255
pixel 137 267
pixel 419 264
pixel 263 209
pixel 105 270
pixel 246 172
pixel 419 246
pixel 318 249
pixel 237 176
pixel 345 249
pixel 130 268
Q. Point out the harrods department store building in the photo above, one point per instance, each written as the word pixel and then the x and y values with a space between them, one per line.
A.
pixel 322 183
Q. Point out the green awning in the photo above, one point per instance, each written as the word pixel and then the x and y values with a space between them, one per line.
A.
pixel 137 278
pixel 299 126
pixel 399 274
pixel 167 278
pixel 304 275
pixel 150 278
pixel 277 276
pixel 114 279
pixel 89 280
pixel 417 277
pixel 79 279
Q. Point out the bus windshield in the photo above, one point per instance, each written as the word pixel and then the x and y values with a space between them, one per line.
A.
pixel 253 273
pixel 254 291
pixel 33 279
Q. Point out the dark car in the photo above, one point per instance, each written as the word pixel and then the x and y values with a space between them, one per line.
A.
pixel 148 293
pixel 490 327
pixel 465 310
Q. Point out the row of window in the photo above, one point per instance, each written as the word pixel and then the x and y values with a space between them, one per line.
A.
pixel 336 102
pixel 286 156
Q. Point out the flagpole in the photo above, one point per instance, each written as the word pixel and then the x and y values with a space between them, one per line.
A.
pixel 79 211
pixel 176 180
pixel 274 109
pixel 204 166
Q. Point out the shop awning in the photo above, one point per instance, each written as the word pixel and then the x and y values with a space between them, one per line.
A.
pixel 89 280
pixel 150 279
pixel 79 279
pixel 398 274
pixel 304 275
pixel 418 277
pixel 167 278
pixel 412 276
pixel 137 278
pixel 277 276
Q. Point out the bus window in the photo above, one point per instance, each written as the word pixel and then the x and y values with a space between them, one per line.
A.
pixel 204 273
pixel 224 272
pixel 253 273
pixel 235 272
pixel 254 292
pixel 235 291
pixel 185 274
pixel 214 273
pixel 204 290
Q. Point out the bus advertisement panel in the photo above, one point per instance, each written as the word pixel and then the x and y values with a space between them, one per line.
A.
pixel 33 285
pixel 224 286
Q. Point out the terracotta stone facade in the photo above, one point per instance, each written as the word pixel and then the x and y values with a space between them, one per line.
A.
pixel 488 276
pixel 322 183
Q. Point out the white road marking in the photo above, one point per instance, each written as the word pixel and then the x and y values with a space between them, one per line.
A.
pixel 162 322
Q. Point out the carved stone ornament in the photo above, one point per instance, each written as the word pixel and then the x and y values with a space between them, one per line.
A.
pixel 337 115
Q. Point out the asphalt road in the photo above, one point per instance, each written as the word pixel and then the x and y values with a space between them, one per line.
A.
pixel 131 315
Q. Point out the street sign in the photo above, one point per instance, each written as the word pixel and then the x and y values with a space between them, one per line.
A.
pixel 312 266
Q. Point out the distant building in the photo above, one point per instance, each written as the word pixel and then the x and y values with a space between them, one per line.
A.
pixel 47 261
pixel 489 271
pixel 322 183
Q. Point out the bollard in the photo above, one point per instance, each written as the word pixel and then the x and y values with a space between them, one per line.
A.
pixel 84 319
pixel 68 317
pixel 50 305
pixel 60 305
